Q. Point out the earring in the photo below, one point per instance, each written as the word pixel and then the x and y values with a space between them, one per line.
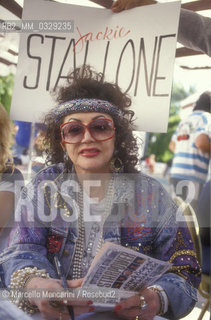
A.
pixel 66 161
pixel 66 158
pixel 117 165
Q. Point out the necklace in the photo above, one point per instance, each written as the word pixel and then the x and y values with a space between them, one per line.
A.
pixel 79 250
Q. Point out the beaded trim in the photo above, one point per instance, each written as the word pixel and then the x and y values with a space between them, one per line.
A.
pixel 19 279
pixel 79 250
pixel 86 105
pixel 182 252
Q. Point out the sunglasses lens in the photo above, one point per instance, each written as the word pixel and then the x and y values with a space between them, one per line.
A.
pixel 101 129
pixel 72 132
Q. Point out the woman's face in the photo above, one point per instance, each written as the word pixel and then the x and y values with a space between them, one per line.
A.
pixel 89 155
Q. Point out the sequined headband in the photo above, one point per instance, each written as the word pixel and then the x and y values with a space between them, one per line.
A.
pixel 86 105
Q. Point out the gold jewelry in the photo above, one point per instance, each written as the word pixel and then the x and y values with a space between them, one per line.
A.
pixel 162 302
pixel 116 165
pixel 142 305
pixel 18 282
pixel 55 304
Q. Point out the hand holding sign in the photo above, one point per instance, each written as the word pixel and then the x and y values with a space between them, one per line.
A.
pixel 120 5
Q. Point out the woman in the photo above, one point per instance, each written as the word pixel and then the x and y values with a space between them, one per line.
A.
pixel 91 147
pixel 8 176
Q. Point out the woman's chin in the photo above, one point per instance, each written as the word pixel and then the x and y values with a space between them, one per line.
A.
pixel 92 168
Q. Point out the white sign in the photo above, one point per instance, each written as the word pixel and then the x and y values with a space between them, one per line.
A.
pixel 135 49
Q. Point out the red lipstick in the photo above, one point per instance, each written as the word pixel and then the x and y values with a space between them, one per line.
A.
pixel 89 152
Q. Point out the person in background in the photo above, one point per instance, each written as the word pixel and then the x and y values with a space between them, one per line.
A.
pixel 8 176
pixel 150 163
pixel 89 137
pixel 22 154
pixel 194 29
pixel 39 156
pixel 22 141
pixel 191 147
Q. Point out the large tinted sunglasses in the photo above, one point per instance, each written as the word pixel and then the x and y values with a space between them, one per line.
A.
pixel 100 129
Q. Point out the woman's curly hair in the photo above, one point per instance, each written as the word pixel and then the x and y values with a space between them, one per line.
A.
pixel 6 159
pixel 84 82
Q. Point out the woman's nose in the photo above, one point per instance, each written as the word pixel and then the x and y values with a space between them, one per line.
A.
pixel 87 137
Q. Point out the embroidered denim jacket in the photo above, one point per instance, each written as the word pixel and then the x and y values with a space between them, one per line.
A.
pixel 143 217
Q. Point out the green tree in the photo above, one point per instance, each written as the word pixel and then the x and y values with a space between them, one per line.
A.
pixel 158 142
pixel 6 88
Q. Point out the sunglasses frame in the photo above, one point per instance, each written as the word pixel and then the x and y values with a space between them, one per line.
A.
pixel 86 128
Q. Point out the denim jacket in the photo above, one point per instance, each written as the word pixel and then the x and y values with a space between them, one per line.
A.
pixel 143 218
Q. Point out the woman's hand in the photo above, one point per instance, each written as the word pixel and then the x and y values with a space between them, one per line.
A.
pixel 121 5
pixel 58 309
pixel 130 308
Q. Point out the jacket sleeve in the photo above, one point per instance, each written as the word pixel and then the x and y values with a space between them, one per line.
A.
pixel 195 31
pixel 173 243
pixel 28 237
